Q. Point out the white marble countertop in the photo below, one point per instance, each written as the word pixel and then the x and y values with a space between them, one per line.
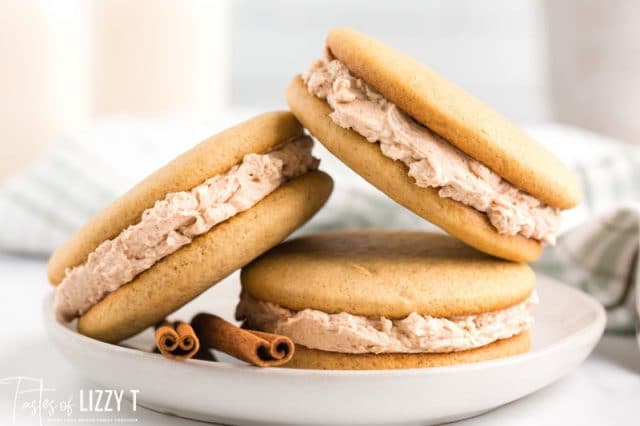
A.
pixel 603 390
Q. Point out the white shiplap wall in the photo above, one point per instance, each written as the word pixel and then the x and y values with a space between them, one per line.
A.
pixel 494 49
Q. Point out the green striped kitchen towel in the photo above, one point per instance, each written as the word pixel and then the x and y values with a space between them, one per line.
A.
pixel 601 258
pixel 42 206
pixel 597 250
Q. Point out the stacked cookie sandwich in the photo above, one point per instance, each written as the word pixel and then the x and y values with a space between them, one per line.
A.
pixel 432 147
pixel 377 299
pixel 369 300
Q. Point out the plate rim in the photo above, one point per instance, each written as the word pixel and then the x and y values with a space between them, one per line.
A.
pixel 598 325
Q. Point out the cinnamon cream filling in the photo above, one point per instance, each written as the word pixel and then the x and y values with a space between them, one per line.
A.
pixel 432 161
pixel 175 221
pixel 356 334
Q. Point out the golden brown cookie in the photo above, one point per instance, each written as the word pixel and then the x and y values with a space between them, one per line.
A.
pixel 211 157
pixel 391 177
pixel 323 360
pixel 183 275
pixel 386 273
pixel 341 289
pixel 458 117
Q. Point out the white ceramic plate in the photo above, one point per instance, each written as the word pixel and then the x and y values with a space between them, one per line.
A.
pixel 568 325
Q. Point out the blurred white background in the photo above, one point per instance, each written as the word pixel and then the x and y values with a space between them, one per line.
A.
pixel 64 63
pixel 494 49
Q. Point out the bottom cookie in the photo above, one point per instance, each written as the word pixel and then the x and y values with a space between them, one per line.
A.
pixel 323 360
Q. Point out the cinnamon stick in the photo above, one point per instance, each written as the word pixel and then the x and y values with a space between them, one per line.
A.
pixel 255 347
pixel 176 341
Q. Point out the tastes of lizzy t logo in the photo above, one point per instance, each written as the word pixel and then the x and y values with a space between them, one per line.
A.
pixel 31 402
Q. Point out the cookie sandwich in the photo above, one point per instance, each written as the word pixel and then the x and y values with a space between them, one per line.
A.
pixel 378 299
pixel 432 147
pixel 207 213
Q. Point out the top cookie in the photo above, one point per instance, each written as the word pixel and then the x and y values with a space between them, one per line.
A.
pixel 386 273
pixel 458 117
pixel 211 157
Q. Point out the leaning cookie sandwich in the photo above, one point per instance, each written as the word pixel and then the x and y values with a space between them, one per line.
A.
pixel 188 225
pixel 433 147
pixel 377 299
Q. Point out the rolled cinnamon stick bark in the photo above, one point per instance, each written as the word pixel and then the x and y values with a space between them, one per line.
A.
pixel 176 341
pixel 166 337
pixel 255 347
pixel 187 337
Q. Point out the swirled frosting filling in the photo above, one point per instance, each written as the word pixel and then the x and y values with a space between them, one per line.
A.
pixel 432 161
pixel 354 334
pixel 176 220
